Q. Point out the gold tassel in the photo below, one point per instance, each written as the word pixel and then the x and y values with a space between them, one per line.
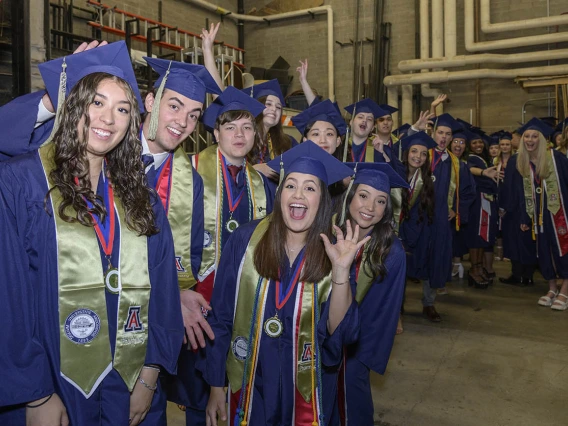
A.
pixel 281 178
pixel 62 91
pixel 153 125
pixel 344 208
pixel 346 147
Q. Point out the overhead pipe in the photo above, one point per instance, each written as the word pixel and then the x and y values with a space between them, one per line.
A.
pixel 488 27
pixel 450 28
pixel 392 100
pixel 407 104
pixel 482 58
pixel 472 46
pixel 425 89
pixel 446 76
pixel 281 16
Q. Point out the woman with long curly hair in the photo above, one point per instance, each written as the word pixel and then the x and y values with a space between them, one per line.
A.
pixel 540 181
pixel 282 306
pixel 96 312
pixel 377 276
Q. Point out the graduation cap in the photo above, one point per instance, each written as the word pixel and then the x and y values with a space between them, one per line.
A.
pixel 551 121
pixel 561 126
pixel 309 158
pixel 538 125
pixel 190 80
pixel 505 135
pixel 389 109
pixel 463 134
pixel 271 87
pixel 367 106
pixel 323 111
pixel 402 130
pixel 420 138
pixel 464 124
pixel 447 120
pixel 62 74
pixel 231 100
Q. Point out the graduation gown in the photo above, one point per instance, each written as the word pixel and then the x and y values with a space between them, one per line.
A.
pixel 188 387
pixel 378 312
pixel 30 342
pixel 518 246
pixel 552 265
pixel 483 212
pixel 17 121
pixel 274 389
pixel 415 232
pixel 440 245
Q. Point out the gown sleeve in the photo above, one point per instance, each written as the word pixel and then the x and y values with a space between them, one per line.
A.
pixel 467 192
pixel 26 372
pixel 220 318
pixel 379 312
pixel 165 331
pixel 197 224
pixel 25 136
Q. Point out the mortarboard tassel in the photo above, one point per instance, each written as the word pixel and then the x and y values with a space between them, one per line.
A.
pixel 344 207
pixel 60 99
pixel 153 126
pixel 347 134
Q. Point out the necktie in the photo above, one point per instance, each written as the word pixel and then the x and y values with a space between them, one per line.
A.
pixel 234 171
pixel 148 160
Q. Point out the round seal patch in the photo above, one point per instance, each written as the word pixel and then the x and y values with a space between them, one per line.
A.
pixel 206 239
pixel 240 348
pixel 82 326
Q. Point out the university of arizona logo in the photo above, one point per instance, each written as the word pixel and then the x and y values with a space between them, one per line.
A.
pixel 179 266
pixel 307 352
pixel 133 322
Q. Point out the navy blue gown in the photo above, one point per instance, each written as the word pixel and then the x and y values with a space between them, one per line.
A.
pixel 274 388
pixel 30 358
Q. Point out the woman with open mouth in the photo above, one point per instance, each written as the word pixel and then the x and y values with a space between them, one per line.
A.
pixel 282 304
pixel 377 277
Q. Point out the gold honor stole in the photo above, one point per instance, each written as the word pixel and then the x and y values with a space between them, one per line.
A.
pixel 180 214
pixel 555 204
pixel 364 280
pixel 454 188
pixel 208 165
pixel 247 282
pixel 85 351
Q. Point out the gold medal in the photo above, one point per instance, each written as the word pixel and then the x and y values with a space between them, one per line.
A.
pixel 232 225
pixel 111 281
pixel 273 327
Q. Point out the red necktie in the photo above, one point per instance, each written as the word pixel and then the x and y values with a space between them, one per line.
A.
pixel 234 171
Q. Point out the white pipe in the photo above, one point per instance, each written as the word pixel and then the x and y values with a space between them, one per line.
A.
pixel 425 89
pixel 450 31
pixel 392 99
pixel 472 46
pixel 277 17
pixel 445 76
pixel 407 104
pixel 488 27
pixel 437 28
pixel 482 58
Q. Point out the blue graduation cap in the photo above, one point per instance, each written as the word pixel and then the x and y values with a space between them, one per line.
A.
pixel 463 134
pixel 420 138
pixel 380 176
pixel 538 125
pixel 309 158
pixel 189 80
pixel 62 74
pixel 402 130
pixel 389 109
pixel 562 125
pixel 367 106
pixel 231 100
pixel 505 135
pixel 271 87
pixel 447 120
pixel 323 111
pixel 464 124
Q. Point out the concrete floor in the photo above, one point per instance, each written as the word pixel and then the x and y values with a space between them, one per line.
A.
pixel 497 359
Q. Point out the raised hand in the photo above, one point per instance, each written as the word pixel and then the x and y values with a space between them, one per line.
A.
pixel 441 98
pixel 302 70
pixel 491 173
pixel 208 37
pixel 424 119
pixel 345 248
